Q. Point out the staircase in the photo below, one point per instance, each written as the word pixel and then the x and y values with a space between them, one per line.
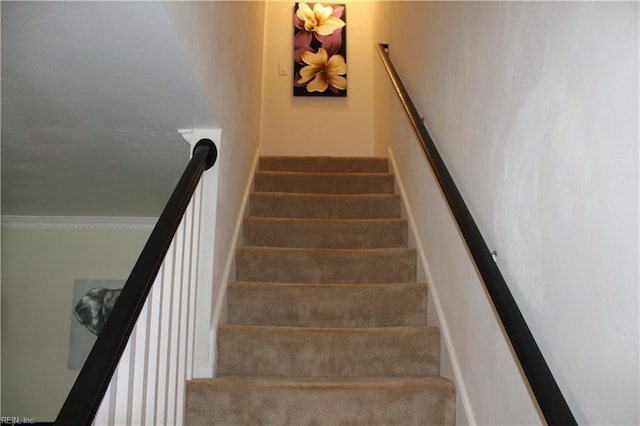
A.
pixel 325 322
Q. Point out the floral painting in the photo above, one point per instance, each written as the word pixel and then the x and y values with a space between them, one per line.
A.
pixel 320 51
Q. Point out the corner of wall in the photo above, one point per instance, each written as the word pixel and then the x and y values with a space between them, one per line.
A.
pixel 263 83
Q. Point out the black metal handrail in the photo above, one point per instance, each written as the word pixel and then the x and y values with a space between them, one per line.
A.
pixel 550 399
pixel 85 397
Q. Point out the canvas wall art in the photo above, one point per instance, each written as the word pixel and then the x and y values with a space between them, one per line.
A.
pixel 320 49
pixel 91 305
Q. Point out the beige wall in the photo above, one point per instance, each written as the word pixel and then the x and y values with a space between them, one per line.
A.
pixel 224 41
pixel 39 267
pixel 317 126
pixel 534 107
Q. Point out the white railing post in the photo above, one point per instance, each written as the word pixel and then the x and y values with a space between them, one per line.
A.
pixel 203 345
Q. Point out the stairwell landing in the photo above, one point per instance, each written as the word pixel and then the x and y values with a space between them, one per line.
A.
pixel 326 324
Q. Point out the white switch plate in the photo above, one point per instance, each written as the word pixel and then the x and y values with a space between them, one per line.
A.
pixel 282 69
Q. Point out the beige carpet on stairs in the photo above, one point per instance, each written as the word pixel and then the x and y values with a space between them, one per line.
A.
pixel 325 324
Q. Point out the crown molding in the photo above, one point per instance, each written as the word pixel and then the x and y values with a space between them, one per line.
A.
pixel 92 223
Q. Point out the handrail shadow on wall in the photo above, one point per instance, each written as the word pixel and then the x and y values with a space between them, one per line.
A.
pixel 550 399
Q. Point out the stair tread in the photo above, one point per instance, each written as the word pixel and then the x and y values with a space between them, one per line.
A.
pixel 324 157
pixel 323 220
pixel 320 196
pixel 323 285
pixel 294 173
pixel 360 401
pixel 285 264
pixel 355 206
pixel 324 163
pixel 325 233
pixel 311 250
pixel 327 305
pixel 324 183
pixel 328 382
pixel 366 330
pixel 255 350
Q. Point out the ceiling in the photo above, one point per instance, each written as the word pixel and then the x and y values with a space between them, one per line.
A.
pixel 92 96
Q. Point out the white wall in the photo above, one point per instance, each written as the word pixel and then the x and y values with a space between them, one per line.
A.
pixel 224 40
pixel 39 266
pixel 534 107
pixel 317 125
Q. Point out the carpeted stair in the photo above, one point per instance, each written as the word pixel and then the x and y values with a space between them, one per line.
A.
pixel 325 322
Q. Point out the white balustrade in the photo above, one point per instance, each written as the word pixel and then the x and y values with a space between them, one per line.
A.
pixel 148 386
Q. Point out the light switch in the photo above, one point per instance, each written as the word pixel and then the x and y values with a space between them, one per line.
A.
pixel 282 69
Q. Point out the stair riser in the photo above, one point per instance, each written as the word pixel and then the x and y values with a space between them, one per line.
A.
pixel 236 401
pixel 315 206
pixel 326 266
pixel 327 305
pixel 305 183
pixel 315 352
pixel 267 232
pixel 325 164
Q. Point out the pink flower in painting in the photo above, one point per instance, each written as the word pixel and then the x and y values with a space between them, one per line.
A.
pixel 323 72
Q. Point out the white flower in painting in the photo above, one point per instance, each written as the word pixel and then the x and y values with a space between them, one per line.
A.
pixel 319 19
pixel 323 71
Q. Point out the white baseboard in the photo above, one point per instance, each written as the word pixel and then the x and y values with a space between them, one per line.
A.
pixel 203 369
pixel 226 274
pixel 444 328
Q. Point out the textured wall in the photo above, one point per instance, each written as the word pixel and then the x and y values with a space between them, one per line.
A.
pixel 534 107
pixel 317 126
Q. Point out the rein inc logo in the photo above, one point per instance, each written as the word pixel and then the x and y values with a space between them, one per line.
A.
pixel 16 421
